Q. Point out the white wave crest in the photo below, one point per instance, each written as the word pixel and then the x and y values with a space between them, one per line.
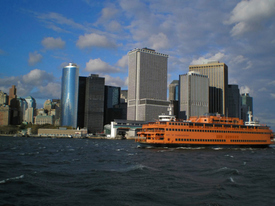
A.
pixel 10 179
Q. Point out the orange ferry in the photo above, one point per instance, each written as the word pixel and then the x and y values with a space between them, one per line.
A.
pixel 207 130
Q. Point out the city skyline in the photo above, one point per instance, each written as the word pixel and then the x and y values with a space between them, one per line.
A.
pixel 38 40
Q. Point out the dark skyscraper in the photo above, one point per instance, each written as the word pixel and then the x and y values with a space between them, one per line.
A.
pixel 91 103
pixel 234 101
pixel 112 107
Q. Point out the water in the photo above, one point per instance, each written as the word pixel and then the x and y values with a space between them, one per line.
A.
pixel 41 171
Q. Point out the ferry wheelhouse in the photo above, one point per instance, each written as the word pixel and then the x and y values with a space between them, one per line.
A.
pixel 206 130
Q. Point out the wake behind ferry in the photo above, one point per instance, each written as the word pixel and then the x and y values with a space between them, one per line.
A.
pixel 206 130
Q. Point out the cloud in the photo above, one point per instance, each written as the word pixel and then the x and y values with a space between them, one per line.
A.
pixel 55 21
pixel 37 77
pixel 159 41
pixel 113 26
pixel 37 83
pixel 34 58
pixel 99 66
pixel 244 89
pixel 123 62
pixel 108 13
pixel 114 81
pixel 203 60
pixel 94 40
pixel 52 43
pixel 52 89
pixel 250 15
pixel 272 95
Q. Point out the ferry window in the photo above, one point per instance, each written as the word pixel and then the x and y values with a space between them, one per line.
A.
pixel 169 123
pixel 169 129
pixel 173 129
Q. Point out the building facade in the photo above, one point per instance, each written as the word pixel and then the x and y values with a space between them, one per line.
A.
pixel 69 95
pixel 234 101
pixel 147 89
pixel 112 108
pixel 4 115
pixel 247 105
pixel 29 112
pixel 12 93
pixel 174 90
pixel 193 95
pixel 218 82
pixel 91 103
pixel 4 98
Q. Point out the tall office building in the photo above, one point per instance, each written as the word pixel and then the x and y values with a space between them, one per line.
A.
pixel 112 109
pixel 69 95
pixel 247 105
pixel 218 83
pixel 12 94
pixel 29 112
pixel 174 90
pixel 193 95
pixel 234 101
pixel 4 98
pixel 147 89
pixel 91 103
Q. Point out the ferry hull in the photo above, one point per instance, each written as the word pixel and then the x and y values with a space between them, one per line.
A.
pixel 160 145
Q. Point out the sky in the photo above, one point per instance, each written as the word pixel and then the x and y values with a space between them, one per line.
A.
pixel 39 38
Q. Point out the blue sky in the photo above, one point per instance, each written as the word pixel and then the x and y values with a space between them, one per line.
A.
pixel 38 38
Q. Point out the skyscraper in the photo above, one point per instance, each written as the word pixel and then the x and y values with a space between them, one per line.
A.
pixel 218 82
pixel 12 93
pixel 147 89
pixel 31 105
pixel 69 95
pixel 234 101
pixel 247 105
pixel 91 103
pixel 193 95
pixel 174 90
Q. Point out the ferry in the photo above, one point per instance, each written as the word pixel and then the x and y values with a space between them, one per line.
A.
pixel 203 131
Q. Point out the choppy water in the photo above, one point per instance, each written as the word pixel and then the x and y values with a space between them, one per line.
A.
pixel 37 171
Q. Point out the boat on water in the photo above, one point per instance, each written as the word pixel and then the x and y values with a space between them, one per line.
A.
pixel 203 131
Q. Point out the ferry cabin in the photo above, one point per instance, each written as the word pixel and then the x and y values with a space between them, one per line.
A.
pixel 205 131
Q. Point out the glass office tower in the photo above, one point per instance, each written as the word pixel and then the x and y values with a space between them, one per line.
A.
pixel 69 95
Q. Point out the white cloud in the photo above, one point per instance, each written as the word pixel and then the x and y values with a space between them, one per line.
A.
pixel 249 15
pixel 239 59
pixel 94 40
pixel 108 13
pixel 37 77
pixel 202 60
pixel 272 95
pixel 52 43
pixel 244 89
pixel 123 62
pixel 114 26
pixel 114 81
pixel 159 41
pixel 99 66
pixel 53 19
pixel 37 83
pixel 34 58
pixel 52 89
